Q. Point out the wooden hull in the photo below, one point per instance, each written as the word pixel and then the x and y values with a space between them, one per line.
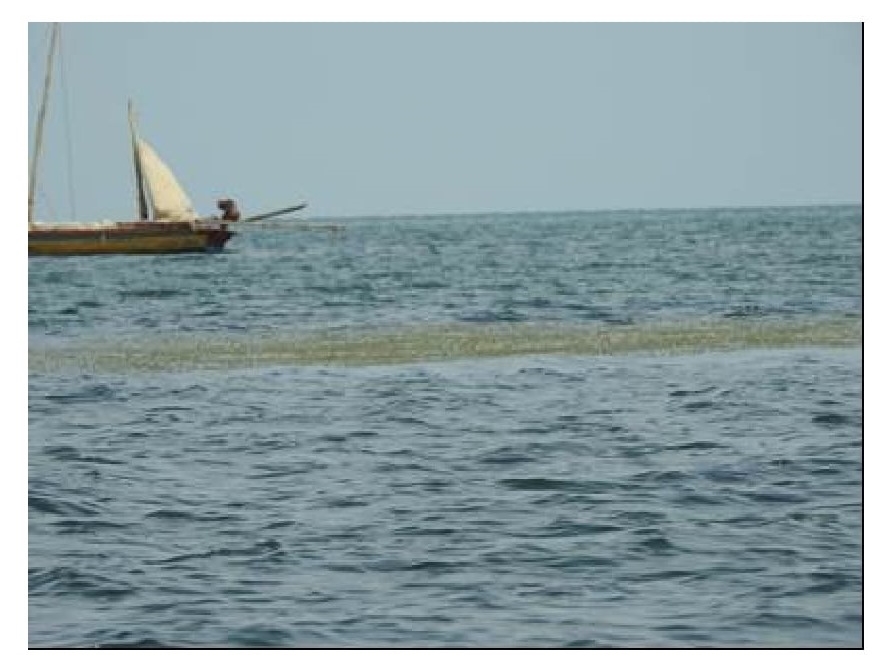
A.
pixel 127 238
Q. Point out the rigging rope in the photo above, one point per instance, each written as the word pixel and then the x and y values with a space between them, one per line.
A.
pixel 48 202
pixel 67 128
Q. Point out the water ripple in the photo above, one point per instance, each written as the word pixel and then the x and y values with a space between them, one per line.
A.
pixel 613 429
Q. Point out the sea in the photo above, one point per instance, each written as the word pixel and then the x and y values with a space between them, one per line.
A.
pixel 623 429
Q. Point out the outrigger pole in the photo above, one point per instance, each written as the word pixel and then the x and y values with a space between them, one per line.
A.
pixel 273 214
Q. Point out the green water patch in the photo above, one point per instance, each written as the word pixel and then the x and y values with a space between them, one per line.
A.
pixel 408 344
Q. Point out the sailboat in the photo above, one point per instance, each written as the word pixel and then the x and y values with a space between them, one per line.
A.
pixel 166 223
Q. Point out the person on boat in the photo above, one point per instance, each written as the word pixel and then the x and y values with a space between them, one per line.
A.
pixel 228 206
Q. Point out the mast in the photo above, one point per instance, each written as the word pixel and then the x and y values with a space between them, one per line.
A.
pixel 41 118
pixel 139 179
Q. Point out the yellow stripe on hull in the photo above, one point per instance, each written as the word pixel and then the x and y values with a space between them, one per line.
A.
pixel 99 242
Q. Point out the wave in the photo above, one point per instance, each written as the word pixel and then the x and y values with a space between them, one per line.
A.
pixel 408 344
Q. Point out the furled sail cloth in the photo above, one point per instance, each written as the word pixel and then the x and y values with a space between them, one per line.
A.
pixel 170 203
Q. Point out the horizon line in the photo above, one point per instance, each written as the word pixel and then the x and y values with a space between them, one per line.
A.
pixel 650 209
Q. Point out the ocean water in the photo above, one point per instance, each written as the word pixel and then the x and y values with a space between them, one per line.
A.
pixel 605 429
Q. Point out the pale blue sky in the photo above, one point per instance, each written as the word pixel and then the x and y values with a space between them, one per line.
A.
pixel 435 118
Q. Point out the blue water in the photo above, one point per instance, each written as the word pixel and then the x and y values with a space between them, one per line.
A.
pixel 629 429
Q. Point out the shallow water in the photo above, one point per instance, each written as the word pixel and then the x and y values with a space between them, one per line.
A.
pixel 604 429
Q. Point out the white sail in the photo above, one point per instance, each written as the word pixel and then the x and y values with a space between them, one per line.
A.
pixel 170 202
